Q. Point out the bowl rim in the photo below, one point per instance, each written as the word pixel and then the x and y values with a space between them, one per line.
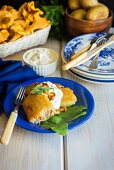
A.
pixel 39 65
pixel 89 21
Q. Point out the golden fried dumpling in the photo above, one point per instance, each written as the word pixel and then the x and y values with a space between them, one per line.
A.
pixel 37 107
pixel 69 98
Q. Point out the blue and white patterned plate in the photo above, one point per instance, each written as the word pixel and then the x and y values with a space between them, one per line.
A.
pixel 106 56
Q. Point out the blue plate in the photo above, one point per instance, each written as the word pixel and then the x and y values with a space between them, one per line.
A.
pixel 84 98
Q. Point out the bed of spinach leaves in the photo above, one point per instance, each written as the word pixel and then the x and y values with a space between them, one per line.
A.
pixel 59 123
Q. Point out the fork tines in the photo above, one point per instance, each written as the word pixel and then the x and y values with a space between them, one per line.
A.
pixel 20 95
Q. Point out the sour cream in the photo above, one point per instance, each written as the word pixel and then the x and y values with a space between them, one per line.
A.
pixel 41 56
pixel 56 102
pixel 42 60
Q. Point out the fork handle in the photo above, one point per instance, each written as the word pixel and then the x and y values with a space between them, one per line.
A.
pixel 9 128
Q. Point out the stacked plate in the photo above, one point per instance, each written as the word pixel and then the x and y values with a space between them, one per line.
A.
pixel 105 70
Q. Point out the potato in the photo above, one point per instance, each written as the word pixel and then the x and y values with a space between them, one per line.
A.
pixel 98 13
pixel 74 4
pixel 88 3
pixel 79 14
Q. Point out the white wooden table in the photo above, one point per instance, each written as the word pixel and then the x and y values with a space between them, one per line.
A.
pixel 89 147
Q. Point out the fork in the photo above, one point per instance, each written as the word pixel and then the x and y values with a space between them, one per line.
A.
pixel 94 64
pixel 13 117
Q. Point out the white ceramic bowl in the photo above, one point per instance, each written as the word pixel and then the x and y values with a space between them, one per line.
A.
pixel 42 69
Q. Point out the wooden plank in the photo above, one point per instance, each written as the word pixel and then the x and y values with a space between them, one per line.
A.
pixel 92 144
pixel 28 150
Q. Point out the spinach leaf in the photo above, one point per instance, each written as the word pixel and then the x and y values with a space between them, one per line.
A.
pixel 39 89
pixel 59 123
pixel 61 129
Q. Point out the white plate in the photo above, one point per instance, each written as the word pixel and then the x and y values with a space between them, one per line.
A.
pixel 92 77
pixel 91 80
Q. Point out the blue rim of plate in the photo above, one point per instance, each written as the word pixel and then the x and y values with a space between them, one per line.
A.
pixel 106 56
pixel 87 100
pixel 92 80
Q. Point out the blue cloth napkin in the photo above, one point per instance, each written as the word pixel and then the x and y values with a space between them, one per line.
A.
pixel 13 73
